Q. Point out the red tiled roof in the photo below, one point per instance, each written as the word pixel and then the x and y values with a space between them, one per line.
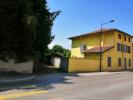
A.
pixel 97 49
pixel 99 31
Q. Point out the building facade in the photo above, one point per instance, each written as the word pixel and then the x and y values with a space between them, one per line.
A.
pixel 116 49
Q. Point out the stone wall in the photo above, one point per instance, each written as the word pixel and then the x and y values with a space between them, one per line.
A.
pixel 26 67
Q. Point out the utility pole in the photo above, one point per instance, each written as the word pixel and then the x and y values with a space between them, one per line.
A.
pixel 101 34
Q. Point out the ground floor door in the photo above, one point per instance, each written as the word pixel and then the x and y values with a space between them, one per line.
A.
pixel 125 63
pixel 57 62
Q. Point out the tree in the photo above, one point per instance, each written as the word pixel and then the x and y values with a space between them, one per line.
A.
pixel 25 29
pixel 67 53
pixel 58 49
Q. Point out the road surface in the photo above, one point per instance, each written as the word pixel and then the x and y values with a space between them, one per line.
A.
pixel 112 86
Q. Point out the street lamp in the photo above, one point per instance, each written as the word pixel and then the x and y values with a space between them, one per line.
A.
pixel 111 21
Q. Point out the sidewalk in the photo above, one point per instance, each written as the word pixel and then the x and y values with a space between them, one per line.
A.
pixel 101 73
pixel 6 78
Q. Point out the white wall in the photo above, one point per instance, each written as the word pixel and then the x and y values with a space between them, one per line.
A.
pixel 56 62
pixel 26 67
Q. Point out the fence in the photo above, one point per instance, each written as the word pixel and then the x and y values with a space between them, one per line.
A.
pixel 83 65
pixel 64 64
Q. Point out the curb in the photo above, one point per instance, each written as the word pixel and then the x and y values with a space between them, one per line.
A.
pixel 98 73
pixel 18 80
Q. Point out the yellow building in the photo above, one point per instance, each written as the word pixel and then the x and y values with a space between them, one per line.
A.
pixel 116 49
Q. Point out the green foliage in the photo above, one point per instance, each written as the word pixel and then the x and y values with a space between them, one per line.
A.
pixel 59 50
pixel 67 53
pixel 25 29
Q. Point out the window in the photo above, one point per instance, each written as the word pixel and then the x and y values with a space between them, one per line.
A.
pixel 109 61
pixel 125 38
pixel 82 48
pixel 119 61
pixel 129 63
pixel 129 40
pixel 128 49
pixel 119 36
pixel 124 48
pixel 119 47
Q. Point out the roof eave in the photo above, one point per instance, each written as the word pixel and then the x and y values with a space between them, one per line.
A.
pixel 102 51
pixel 114 29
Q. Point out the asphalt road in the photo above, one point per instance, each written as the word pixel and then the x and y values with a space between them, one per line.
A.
pixel 110 86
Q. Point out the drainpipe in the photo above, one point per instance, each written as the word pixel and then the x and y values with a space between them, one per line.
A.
pixel 101 48
pixel 122 54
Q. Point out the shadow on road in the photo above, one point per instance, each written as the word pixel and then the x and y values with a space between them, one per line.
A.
pixel 41 82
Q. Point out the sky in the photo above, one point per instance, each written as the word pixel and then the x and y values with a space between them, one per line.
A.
pixel 82 16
